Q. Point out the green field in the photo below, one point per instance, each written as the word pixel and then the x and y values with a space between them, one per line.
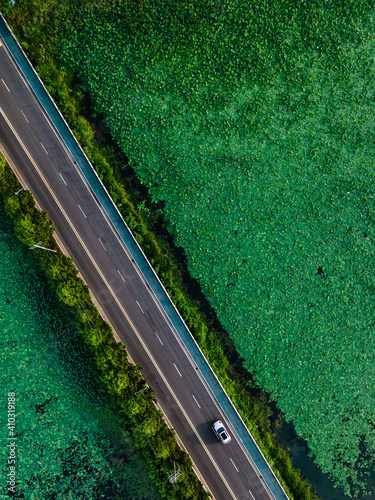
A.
pixel 252 123
pixel 70 443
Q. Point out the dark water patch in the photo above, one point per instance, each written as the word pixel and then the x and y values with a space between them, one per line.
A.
pixel 299 454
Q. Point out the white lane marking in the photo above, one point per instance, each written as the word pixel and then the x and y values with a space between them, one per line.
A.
pixel 153 361
pixel 24 116
pixel 195 472
pixel 6 86
pixel 159 338
pixel 139 305
pixel 233 464
pixel 251 495
pixel 121 276
pixel 178 371
pixel 100 241
pixel 199 406
pixel 85 216
pixel 62 178
pixel 44 148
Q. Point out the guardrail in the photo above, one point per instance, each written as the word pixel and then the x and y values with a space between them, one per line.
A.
pixel 78 156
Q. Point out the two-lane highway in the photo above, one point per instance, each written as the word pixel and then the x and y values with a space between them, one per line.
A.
pixel 39 157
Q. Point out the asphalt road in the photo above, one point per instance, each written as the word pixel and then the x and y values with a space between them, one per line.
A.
pixel 36 153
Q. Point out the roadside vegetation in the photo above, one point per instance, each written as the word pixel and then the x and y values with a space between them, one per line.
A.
pixel 252 124
pixel 138 414
pixel 71 441
pixel 37 28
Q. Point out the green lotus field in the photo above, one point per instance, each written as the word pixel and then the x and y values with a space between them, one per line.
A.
pixel 253 124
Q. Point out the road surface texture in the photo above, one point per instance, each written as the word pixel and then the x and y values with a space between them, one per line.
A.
pixel 38 156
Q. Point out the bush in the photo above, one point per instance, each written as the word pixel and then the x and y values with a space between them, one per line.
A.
pixel 152 436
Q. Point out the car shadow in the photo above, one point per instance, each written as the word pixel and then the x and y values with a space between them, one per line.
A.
pixel 205 431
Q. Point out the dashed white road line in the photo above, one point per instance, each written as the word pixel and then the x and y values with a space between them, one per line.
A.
pixel 6 86
pixel 25 116
pixel 153 361
pixel 234 465
pixel 100 241
pixel 62 178
pixel 44 148
pixel 252 496
pixel 121 276
pixel 178 371
pixel 199 406
pixel 159 338
pixel 139 305
pixel 85 216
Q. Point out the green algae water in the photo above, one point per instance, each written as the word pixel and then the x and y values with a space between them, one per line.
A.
pixel 59 437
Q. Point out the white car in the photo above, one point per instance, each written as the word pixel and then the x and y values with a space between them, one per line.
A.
pixel 220 432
